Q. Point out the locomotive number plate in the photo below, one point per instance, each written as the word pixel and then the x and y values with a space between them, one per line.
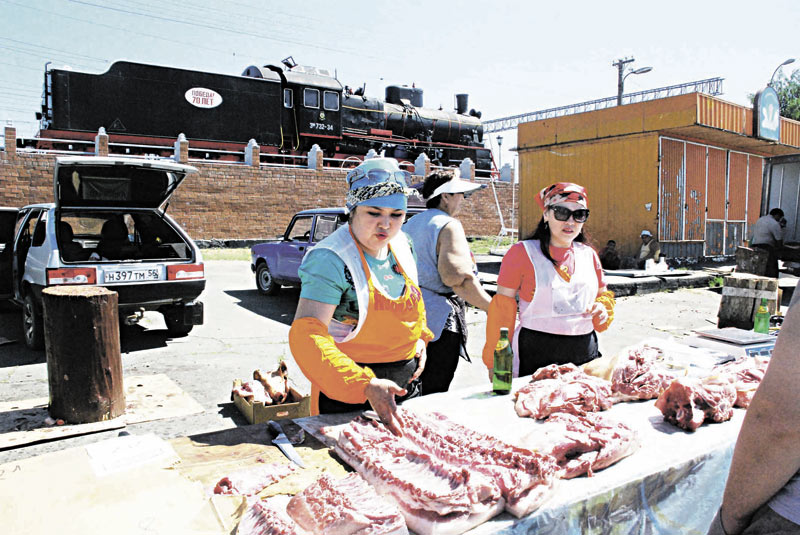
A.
pixel 132 275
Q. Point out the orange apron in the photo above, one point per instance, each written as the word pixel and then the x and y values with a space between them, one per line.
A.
pixel 389 333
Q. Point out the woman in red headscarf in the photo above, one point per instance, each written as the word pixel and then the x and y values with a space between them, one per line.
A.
pixel 563 299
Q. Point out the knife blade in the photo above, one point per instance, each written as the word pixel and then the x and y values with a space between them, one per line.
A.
pixel 284 444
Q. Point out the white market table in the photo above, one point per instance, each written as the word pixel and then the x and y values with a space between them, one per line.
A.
pixel 672 484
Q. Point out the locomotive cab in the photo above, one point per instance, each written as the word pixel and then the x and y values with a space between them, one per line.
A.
pixel 311 107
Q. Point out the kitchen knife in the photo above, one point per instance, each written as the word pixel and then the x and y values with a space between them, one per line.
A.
pixel 284 444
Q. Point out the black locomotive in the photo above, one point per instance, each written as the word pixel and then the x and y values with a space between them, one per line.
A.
pixel 287 110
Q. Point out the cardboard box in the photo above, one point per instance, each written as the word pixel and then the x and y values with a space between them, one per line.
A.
pixel 298 406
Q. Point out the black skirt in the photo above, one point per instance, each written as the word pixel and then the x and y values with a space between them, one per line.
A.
pixel 538 349
pixel 399 372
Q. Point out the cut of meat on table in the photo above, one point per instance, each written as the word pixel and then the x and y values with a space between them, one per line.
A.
pixel 434 497
pixel 343 507
pixel 574 392
pixel 268 518
pixel 525 478
pixel 639 375
pixel 252 391
pixel 745 374
pixel 554 371
pixel 688 402
pixel 250 481
pixel 583 444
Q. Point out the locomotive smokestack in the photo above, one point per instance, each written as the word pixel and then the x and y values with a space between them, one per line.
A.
pixel 461 103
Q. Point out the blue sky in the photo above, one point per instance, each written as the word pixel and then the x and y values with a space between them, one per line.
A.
pixel 511 57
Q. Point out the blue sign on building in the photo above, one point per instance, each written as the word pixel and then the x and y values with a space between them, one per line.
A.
pixel 767 115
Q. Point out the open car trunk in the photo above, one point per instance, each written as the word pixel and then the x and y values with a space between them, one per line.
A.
pixel 119 236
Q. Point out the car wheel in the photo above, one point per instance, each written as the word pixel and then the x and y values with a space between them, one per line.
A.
pixel 265 282
pixel 32 323
pixel 173 318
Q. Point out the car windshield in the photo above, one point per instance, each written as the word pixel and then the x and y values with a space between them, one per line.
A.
pixel 114 236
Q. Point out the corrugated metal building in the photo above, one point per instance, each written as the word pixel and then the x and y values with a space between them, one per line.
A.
pixel 687 168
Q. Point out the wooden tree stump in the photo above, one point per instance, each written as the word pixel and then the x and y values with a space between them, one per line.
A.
pixel 751 260
pixel 84 367
pixel 741 297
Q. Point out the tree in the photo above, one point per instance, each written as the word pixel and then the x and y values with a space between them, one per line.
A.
pixel 789 95
pixel 788 90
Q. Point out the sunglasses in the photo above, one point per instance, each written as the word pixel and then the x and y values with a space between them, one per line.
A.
pixel 358 178
pixel 563 214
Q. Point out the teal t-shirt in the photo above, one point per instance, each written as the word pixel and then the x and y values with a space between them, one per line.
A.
pixel 325 278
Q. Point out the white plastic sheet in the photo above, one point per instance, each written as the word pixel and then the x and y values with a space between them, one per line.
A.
pixel 672 485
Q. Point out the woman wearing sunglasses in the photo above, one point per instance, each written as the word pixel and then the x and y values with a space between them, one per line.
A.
pixel 359 333
pixel 563 299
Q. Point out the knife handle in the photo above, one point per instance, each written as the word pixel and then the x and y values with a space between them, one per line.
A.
pixel 275 427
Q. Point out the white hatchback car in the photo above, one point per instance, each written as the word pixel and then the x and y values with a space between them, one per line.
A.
pixel 108 227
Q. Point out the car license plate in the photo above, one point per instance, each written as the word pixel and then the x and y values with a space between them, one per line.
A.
pixel 133 275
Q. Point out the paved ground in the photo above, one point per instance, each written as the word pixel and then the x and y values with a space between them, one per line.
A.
pixel 245 331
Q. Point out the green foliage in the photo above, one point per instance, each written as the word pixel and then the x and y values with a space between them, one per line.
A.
pixel 788 90
pixel 226 254
pixel 716 282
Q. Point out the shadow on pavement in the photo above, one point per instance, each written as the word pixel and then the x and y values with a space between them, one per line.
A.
pixel 15 352
pixel 137 338
pixel 280 307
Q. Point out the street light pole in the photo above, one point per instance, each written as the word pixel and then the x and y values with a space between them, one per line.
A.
pixel 621 75
pixel 500 152
pixel 787 62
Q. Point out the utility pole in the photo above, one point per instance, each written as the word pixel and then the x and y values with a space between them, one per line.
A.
pixel 620 65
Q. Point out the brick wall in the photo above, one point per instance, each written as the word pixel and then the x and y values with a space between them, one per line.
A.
pixel 236 201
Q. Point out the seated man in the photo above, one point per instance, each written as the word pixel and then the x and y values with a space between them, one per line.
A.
pixel 609 257
pixel 651 250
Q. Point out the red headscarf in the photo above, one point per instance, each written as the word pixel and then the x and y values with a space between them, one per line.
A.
pixel 562 192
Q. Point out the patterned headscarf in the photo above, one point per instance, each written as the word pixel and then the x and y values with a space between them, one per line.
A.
pixel 378 182
pixel 562 192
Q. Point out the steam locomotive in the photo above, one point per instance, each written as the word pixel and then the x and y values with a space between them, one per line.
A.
pixel 286 110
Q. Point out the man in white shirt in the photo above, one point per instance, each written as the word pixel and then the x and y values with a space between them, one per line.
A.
pixel 768 235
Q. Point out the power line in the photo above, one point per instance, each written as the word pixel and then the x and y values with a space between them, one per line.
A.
pixel 40 55
pixel 20 66
pixel 60 51
pixel 212 27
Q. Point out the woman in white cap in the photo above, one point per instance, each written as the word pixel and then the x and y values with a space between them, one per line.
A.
pixel 563 299
pixel 447 275
pixel 359 333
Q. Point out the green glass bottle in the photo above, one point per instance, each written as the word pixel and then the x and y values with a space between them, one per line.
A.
pixel 761 320
pixel 503 362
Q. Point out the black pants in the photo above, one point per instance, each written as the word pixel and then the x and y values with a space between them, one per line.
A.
pixel 538 349
pixel 443 356
pixel 399 372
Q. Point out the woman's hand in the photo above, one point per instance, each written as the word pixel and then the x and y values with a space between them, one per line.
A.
pixel 380 394
pixel 491 374
pixel 421 354
pixel 598 312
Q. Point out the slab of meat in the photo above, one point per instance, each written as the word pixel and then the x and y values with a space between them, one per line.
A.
pixel 252 480
pixel 745 374
pixel 554 371
pixel 252 391
pixel 264 518
pixel 433 496
pixel 525 478
pixel 638 375
pixel 574 392
pixel 688 402
pixel 343 507
pixel 583 444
